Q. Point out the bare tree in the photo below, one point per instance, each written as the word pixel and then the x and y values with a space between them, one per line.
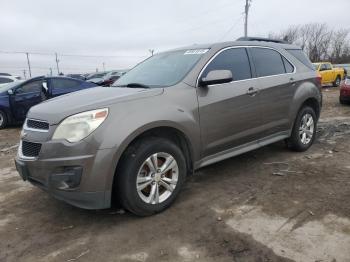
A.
pixel 318 41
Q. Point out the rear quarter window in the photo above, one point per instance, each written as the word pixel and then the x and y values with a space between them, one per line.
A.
pixel 302 57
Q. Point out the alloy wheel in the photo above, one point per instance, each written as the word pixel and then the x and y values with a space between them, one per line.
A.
pixel 157 178
pixel 306 130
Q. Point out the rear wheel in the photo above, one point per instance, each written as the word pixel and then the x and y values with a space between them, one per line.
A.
pixel 151 176
pixel 3 119
pixel 337 81
pixel 304 130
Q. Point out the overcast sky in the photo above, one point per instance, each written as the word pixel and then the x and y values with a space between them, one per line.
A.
pixel 120 33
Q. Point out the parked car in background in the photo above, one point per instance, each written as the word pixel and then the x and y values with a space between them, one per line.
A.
pixel 112 76
pixel 5 74
pixel 173 113
pixel 96 75
pixel 77 76
pixel 109 78
pixel 344 97
pixel 4 80
pixel 18 97
pixel 330 75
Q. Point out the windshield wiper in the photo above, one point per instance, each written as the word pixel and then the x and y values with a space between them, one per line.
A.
pixel 135 85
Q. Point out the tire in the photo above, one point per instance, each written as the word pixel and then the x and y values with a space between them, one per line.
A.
pixel 337 81
pixel 296 141
pixel 3 119
pixel 135 169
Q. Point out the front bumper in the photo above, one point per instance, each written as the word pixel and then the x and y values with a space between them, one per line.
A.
pixel 61 170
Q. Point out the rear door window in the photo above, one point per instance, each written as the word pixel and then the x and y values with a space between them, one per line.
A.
pixel 235 59
pixel 267 62
pixel 58 83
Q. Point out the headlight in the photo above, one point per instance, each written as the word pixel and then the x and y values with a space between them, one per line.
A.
pixel 76 127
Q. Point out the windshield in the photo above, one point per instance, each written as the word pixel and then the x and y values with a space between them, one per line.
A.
pixel 8 86
pixel 162 70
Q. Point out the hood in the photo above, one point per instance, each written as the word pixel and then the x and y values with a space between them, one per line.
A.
pixel 55 110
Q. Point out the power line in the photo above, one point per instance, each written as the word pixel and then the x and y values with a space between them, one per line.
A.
pixel 246 11
pixel 74 55
pixel 232 27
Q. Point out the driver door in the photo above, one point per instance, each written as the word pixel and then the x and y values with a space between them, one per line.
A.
pixel 230 113
pixel 24 97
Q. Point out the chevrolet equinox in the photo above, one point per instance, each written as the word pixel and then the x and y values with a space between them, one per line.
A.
pixel 175 112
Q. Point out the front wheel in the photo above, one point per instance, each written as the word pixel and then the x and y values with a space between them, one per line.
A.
pixel 151 175
pixel 337 81
pixel 3 120
pixel 304 130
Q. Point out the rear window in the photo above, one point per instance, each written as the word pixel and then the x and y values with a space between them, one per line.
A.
pixel 301 56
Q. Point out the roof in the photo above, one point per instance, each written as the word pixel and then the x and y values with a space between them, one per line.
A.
pixel 239 43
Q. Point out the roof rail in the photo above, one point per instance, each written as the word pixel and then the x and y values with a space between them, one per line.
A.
pixel 262 39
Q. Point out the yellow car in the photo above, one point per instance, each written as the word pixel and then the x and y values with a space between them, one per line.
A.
pixel 330 74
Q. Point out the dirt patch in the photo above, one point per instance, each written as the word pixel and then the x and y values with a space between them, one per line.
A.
pixel 267 205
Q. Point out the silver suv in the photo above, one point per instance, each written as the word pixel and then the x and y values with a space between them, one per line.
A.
pixel 173 113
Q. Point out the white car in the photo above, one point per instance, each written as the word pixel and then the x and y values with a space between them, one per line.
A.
pixel 4 80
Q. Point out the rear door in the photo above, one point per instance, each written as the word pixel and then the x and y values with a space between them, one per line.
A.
pixel 230 114
pixel 60 86
pixel 25 96
pixel 277 83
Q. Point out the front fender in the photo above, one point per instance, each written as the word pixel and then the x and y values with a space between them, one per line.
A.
pixel 127 121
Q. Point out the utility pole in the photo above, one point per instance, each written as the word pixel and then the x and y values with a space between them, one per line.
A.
pixel 58 69
pixel 30 71
pixel 24 74
pixel 50 71
pixel 104 69
pixel 246 11
pixel 151 51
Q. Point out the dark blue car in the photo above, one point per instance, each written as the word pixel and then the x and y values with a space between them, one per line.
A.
pixel 18 97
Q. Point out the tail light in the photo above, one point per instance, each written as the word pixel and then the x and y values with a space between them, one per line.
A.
pixel 319 79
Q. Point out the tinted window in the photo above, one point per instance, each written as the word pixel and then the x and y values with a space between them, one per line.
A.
pixel 234 59
pixel 64 83
pixel 267 62
pixel 301 56
pixel 288 66
pixel 5 80
pixel 34 86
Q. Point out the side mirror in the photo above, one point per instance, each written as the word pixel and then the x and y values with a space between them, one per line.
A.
pixel 10 92
pixel 216 77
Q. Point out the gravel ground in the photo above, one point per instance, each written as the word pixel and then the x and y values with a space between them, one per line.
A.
pixel 267 205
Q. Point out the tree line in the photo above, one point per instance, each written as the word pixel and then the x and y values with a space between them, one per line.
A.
pixel 319 41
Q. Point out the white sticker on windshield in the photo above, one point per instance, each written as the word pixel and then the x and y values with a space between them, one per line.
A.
pixel 196 52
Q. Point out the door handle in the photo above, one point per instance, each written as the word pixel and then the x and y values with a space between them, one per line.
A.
pixel 252 91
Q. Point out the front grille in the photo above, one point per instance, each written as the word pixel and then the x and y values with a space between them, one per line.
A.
pixel 30 149
pixel 35 124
